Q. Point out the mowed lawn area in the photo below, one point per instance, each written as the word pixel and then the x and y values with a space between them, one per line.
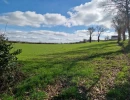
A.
pixel 83 71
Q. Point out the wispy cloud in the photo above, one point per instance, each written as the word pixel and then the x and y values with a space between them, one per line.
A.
pixel 5 1
pixel 46 36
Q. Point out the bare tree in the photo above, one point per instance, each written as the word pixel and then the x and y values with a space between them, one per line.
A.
pixel 91 30
pixel 119 25
pixel 100 30
pixel 122 6
pixel 123 33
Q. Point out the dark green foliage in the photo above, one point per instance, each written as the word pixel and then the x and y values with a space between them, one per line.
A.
pixel 72 93
pixel 8 64
pixel 120 92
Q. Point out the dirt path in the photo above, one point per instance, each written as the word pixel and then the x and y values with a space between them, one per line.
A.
pixel 106 82
pixel 102 87
pixel 99 90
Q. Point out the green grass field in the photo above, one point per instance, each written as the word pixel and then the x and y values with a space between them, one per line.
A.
pixel 73 72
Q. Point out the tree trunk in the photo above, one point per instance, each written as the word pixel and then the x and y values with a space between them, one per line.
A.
pixel 90 39
pixel 123 35
pixel 129 32
pixel 98 38
pixel 119 36
pixel 128 21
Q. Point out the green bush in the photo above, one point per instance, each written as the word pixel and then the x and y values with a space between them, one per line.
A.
pixel 9 68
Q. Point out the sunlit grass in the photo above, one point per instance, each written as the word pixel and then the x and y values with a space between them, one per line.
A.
pixel 76 64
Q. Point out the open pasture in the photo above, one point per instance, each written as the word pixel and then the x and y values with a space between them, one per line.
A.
pixel 72 71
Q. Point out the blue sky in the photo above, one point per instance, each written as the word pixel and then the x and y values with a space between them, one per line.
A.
pixel 52 20
pixel 40 6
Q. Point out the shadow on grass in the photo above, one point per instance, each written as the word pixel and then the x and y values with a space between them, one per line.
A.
pixel 125 47
pixel 44 71
pixel 121 91
pixel 74 92
pixel 104 45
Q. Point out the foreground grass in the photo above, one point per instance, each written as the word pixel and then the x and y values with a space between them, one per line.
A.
pixel 121 89
pixel 71 71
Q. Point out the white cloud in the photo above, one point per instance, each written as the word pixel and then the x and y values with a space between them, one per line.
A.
pixel 43 36
pixel 108 33
pixel 33 19
pixel 90 13
pixel 22 18
pixel 46 36
pixel 54 19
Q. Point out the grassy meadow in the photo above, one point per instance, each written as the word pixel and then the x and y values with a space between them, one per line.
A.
pixel 83 71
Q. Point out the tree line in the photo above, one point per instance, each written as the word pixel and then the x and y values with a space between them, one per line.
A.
pixel 120 21
pixel 100 29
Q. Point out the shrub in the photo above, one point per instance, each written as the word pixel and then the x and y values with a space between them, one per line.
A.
pixel 8 64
